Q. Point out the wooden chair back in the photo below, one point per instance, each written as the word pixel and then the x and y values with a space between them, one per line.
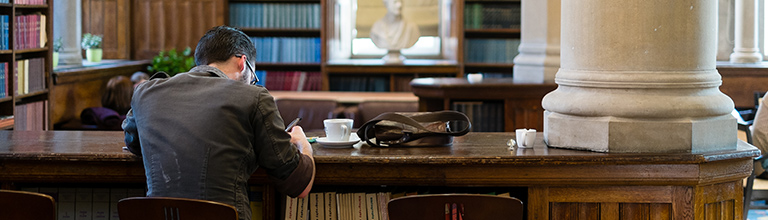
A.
pixel 166 208
pixel 312 112
pixel 467 207
pixel 20 205
pixel 370 109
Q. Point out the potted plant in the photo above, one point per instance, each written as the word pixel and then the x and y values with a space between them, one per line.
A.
pixel 92 46
pixel 172 62
pixel 57 46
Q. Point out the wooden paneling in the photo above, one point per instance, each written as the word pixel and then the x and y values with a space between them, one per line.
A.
pixel 166 24
pixel 740 81
pixel 109 18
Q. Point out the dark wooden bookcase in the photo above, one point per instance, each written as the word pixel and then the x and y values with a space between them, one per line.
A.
pixel 485 31
pixel 294 29
pixel 9 104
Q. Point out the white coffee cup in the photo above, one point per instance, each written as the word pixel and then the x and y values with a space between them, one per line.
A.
pixel 525 137
pixel 475 77
pixel 338 129
pixel 530 137
pixel 520 136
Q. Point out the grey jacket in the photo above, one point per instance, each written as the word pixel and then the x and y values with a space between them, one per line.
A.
pixel 203 135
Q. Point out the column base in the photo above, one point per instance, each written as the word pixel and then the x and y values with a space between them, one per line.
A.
pixel 631 135
pixel 742 57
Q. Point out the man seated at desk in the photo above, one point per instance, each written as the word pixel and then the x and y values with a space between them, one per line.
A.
pixel 202 134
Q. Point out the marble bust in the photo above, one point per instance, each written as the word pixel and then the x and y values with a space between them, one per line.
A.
pixel 392 32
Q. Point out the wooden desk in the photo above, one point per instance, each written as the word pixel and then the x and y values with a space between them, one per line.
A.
pixel 522 102
pixel 347 97
pixel 559 182
pixel 740 81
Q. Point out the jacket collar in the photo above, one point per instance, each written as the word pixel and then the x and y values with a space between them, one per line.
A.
pixel 213 71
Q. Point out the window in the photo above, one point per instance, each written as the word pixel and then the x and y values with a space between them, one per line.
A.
pixel 353 20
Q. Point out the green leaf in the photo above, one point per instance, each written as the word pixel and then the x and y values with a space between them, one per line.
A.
pixel 173 62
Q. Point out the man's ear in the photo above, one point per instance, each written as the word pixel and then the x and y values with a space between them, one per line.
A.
pixel 241 63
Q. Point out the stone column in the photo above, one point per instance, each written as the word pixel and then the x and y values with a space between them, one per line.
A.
pixel 539 56
pixel 67 17
pixel 639 76
pixel 745 48
pixel 725 30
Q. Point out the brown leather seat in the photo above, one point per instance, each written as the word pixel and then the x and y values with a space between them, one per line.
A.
pixel 20 205
pixel 312 112
pixel 473 206
pixel 166 208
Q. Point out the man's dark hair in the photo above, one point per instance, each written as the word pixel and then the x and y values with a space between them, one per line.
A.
pixel 222 42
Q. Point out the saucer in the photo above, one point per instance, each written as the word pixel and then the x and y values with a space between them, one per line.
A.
pixel 353 139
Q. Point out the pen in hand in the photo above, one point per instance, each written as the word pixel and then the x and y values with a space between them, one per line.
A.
pixel 293 123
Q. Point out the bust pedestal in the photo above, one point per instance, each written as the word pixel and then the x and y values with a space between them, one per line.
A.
pixel 393 57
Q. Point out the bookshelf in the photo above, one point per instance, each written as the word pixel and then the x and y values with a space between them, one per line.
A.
pixel 477 36
pixel 287 35
pixel 25 63
pixel 491 36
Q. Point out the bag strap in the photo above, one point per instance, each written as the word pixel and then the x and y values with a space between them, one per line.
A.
pixel 446 115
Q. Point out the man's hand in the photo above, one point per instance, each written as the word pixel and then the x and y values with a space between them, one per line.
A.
pixel 300 140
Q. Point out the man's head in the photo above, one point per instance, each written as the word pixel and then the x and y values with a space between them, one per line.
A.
pixel 221 43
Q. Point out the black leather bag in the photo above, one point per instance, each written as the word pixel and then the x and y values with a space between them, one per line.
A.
pixel 414 129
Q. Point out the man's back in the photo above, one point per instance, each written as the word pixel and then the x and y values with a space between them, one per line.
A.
pixel 196 133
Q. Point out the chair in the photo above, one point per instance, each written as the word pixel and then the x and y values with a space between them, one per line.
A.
pixel 368 110
pixel 475 206
pixel 312 112
pixel 166 208
pixel 749 192
pixel 18 205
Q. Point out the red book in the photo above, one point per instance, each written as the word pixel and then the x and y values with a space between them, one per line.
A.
pixel 454 212
pixel 447 212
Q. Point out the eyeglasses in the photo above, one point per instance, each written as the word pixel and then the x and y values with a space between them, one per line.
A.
pixel 253 79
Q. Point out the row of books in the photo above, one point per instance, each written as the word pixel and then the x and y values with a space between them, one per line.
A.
pixel 29 75
pixel 27 2
pixel 291 80
pixel 29 31
pixel 490 50
pixel 356 205
pixel 358 83
pixel 287 49
pixel 4 80
pixel 480 15
pixel 4 25
pixel 338 206
pixel 484 116
pixel 6 121
pixel 275 15
pixel 31 116
pixel 87 203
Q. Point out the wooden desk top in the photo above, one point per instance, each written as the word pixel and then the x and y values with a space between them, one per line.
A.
pixel 473 148
pixel 489 88
pixel 347 97
pixel 476 159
